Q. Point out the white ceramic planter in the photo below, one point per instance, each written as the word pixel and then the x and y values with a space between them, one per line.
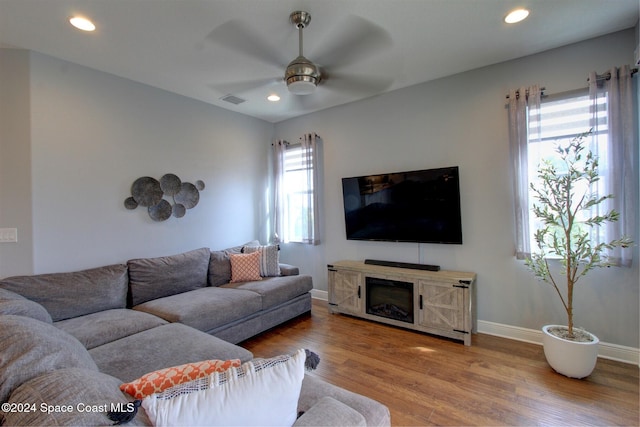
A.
pixel 570 358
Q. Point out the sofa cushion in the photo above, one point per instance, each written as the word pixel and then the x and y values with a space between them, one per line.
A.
pixel 330 412
pixel 67 295
pixel 219 268
pixel 162 347
pixel 151 278
pixel 96 329
pixel 89 394
pixel 12 303
pixel 275 290
pixel 314 389
pixel 204 309
pixel 31 347
pixel 259 393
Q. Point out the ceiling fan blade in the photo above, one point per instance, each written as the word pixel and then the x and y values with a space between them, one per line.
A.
pixel 241 37
pixel 239 87
pixel 357 84
pixel 355 39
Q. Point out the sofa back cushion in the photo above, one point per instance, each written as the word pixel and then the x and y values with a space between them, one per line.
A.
pixel 219 268
pixel 31 348
pixel 153 278
pixel 12 303
pixel 67 295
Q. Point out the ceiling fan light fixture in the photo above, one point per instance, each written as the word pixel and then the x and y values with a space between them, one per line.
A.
pixel 301 85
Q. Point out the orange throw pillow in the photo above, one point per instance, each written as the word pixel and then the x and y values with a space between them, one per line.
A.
pixel 245 267
pixel 157 381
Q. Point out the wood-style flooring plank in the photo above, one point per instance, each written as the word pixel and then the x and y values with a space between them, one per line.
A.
pixel 427 380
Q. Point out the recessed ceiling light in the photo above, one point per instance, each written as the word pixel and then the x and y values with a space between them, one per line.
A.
pixel 273 97
pixel 516 16
pixel 82 23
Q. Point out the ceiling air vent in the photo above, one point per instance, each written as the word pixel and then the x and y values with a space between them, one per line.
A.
pixel 233 99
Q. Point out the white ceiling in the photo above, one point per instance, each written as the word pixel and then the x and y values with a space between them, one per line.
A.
pixel 206 49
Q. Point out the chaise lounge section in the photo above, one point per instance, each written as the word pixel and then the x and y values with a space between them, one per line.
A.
pixel 116 323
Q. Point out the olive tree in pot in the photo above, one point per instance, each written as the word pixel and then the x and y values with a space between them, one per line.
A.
pixel 564 205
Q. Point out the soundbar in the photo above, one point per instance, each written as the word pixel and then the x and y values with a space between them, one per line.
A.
pixel 397 264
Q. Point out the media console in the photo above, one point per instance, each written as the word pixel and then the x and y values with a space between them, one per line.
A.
pixel 438 302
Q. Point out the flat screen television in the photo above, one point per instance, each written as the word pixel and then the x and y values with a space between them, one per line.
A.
pixel 414 206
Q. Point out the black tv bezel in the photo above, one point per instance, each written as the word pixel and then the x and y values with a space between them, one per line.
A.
pixel 432 241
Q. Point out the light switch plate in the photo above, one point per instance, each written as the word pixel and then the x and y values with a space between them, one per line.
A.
pixel 8 235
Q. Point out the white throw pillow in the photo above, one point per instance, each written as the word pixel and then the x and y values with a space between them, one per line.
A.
pixel 263 392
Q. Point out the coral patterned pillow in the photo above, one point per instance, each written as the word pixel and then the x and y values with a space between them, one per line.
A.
pixel 157 381
pixel 245 267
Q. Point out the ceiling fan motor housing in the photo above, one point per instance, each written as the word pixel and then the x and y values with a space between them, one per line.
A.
pixel 302 76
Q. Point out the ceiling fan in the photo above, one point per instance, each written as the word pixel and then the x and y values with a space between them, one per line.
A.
pixel 302 76
pixel 354 40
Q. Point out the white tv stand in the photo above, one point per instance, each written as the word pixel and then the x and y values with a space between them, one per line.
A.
pixel 443 301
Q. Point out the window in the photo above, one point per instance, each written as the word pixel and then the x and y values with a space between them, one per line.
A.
pixel 536 126
pixel 559 120
pixel 296 191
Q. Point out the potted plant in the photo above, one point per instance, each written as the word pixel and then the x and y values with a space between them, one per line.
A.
pixel 564 205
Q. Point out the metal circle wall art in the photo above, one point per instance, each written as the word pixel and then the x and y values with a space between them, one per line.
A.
pixel 150 193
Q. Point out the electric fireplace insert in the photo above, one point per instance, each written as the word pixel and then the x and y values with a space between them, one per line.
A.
pixel 392 299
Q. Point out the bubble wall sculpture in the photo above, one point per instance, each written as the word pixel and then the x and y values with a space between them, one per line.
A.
pixel 150 193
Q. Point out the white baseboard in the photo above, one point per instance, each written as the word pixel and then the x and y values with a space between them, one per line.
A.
pixel 321 295
pixel 616 352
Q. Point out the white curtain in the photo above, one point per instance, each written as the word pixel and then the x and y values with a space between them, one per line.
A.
pixel 310 158
pixel 277 208
pixel 524 111
pixel 296 183
pixel 617 123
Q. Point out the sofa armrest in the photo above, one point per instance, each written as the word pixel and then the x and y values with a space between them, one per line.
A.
pixel 330 412
pixel 288 270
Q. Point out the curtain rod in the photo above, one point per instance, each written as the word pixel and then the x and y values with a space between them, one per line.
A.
pixel 542 89
pixel 294 143
pixel 607 75
pixel 281 142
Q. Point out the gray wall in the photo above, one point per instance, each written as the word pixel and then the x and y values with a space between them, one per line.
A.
pixel 72 140
pixel 15 160
pixel 462 120
pixel 90 135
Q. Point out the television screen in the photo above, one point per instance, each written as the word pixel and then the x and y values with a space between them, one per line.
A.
pixel 414 206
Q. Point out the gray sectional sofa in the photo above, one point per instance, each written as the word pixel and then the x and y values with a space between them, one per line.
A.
pixel 71 338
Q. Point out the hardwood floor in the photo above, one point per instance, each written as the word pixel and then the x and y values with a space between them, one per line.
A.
pixel 426 380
